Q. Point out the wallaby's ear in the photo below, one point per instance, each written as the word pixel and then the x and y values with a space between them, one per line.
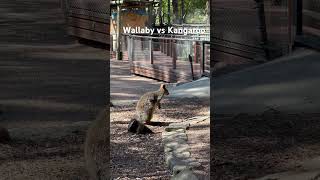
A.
pixel 162 86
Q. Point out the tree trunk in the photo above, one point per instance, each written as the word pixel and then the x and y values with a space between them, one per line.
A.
pixel 208 11
pixel 175 8
pixel 169 21
pixel 160 13
pixel 182 12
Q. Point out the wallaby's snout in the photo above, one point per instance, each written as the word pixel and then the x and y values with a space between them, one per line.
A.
pixel 163 88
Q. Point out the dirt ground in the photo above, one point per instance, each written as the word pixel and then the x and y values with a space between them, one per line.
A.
pixel 199 142
pixel 251 146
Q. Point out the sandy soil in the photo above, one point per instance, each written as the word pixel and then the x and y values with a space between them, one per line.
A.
pixel 250 146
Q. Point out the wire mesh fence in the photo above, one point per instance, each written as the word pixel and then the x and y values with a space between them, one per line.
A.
pixel 175 55
pixel 311 17
pixel 90 8
pixel 247 32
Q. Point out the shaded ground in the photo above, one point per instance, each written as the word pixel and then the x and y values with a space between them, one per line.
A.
pixel 250 146
pixel 48 83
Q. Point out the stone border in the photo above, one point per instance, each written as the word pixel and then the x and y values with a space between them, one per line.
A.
pixel 123 102
pixel 177 154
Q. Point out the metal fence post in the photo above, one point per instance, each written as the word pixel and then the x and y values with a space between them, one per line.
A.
pixel 151 51
pixel 128 48
pixel 131 49
pixel 299 17
pixel 290 25
pixel 168 47
pixel 203 58
pixel 164 46
pixel 195 52
pixel 174 54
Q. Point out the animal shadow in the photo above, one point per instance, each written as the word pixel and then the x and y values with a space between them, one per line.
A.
pixel 157 123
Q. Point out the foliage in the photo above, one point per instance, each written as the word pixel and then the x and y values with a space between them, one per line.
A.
pixel 196 11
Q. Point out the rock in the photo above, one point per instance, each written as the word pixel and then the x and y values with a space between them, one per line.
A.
pixel 174 136
pixel 171 128
pixel 4 135
pixel 133 125
pixel 175 126
pixel 136 126
pixel 185 174
pixel 272 114
pixel 177 169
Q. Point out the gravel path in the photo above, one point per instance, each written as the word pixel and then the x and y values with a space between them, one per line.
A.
pixel 135 156
pixel 46 159
pixel 199 142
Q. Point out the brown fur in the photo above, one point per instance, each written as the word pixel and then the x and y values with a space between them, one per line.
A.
pixel 148 103
pixel 96 148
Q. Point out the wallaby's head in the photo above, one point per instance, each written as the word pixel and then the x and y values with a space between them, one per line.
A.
pixel 164 89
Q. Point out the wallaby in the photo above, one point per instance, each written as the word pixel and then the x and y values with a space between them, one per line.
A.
pixel 148 103
pixel 96 148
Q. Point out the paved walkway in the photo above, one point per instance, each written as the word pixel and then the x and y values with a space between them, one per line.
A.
pixel 290 83
pixel 126 88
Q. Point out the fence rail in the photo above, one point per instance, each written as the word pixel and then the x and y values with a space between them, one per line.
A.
pixel 167 58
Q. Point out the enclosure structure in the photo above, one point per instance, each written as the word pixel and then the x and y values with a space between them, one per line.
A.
pixel 249 32
pixel 308 23
pixel 88 19
pixel 160 56
pixel 168 58
pixel 128 13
